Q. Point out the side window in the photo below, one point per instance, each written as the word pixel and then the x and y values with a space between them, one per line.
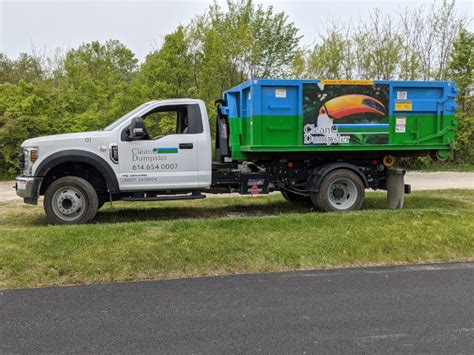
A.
pixel 173 119
pixel 160 124
pixel 166 120
pixel 195 119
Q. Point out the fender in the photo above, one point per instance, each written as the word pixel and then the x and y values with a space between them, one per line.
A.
pixel 76 156
pixel 320 173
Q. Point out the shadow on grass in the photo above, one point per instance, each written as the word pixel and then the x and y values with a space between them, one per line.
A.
pixel 166 212
pixel 268 208
pixel 236 207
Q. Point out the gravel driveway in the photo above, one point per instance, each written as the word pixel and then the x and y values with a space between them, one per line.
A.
pixel 418 181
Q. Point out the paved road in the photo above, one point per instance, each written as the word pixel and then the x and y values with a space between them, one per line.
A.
pixel 424 308
pixel 418 180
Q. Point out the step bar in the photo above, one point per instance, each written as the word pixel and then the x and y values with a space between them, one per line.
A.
pixel 193 196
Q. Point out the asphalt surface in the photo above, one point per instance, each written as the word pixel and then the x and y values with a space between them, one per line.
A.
pixel 409 309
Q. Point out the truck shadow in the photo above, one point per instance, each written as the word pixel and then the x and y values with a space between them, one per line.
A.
pixel 28 216
pixel 165 212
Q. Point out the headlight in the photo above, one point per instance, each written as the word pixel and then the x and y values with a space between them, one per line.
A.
pixel 29 156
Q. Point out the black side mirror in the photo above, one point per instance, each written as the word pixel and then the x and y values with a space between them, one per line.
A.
pixel 136 130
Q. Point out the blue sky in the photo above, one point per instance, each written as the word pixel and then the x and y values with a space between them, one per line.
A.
pixel 141 25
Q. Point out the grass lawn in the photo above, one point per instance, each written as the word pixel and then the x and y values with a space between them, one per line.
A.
pixel 136 241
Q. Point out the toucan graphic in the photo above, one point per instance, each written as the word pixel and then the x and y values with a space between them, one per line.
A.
pixel 347 105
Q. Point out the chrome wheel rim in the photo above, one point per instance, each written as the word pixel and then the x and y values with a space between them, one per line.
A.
pixel 68 203
pixel 342 194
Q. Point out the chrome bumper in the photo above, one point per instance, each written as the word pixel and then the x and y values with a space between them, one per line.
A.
pixel 27 187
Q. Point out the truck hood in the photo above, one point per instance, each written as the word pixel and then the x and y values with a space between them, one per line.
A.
pixel 63 138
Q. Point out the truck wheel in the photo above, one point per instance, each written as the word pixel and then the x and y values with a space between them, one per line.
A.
pixel 70 200
pixel 341 190
pixel 292 197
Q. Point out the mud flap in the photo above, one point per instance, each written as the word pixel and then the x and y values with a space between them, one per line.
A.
pixel 395 188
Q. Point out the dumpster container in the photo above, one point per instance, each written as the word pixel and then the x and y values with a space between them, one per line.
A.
pixel 340 118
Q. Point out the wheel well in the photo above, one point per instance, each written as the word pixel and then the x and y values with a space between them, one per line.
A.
pixel 82 170
pixel 321 172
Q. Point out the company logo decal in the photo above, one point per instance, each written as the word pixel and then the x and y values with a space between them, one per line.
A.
pixel 165 150
pixel 345 113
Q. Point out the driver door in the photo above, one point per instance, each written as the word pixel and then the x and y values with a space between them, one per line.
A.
pixel 166 158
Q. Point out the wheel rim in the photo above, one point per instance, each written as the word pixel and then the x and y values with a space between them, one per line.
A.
pixel 68 203
pixel 342 193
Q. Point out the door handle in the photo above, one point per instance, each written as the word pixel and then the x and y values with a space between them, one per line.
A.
pixel 185 146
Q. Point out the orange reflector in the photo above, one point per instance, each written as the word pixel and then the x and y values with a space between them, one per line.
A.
pixel 290 164
pixel 388 161
pixel 33 154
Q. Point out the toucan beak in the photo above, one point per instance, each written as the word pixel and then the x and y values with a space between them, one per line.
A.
pixel 348 105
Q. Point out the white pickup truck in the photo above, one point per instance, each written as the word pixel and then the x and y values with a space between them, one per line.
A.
pixel 79 172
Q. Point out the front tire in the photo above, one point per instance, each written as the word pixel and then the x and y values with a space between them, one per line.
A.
pixel 71 200
pixel 341 190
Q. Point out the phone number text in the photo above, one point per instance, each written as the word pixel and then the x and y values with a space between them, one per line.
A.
pixel 154 167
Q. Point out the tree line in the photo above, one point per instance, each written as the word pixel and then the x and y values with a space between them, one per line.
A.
pixel 88 87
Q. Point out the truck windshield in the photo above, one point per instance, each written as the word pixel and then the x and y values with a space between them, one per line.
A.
pixel 125 117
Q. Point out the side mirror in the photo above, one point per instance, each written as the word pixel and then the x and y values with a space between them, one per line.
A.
pixel 136 130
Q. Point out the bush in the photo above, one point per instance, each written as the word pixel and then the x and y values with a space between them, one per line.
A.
pixel 464 152
pixel 13 133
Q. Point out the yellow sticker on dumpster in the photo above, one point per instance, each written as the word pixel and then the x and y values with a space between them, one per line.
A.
pixel 403 106
pixel 347 82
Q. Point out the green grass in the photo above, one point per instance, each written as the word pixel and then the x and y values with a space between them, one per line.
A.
pixel 230 235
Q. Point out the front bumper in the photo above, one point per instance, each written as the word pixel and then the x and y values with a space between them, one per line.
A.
pixel 27 187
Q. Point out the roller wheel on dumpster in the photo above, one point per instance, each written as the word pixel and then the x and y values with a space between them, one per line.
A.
pixel 341 190
pixel 292 197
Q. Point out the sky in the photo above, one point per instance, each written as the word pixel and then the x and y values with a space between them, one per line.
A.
pixel 141 25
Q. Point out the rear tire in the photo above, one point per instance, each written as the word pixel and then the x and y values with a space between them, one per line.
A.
pixel 341 190
pixel 71 200
pixel 292 197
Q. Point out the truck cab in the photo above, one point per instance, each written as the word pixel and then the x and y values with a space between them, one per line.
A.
pixel 160 146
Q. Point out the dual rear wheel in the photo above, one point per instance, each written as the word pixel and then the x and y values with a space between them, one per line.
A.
pixel 341 190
